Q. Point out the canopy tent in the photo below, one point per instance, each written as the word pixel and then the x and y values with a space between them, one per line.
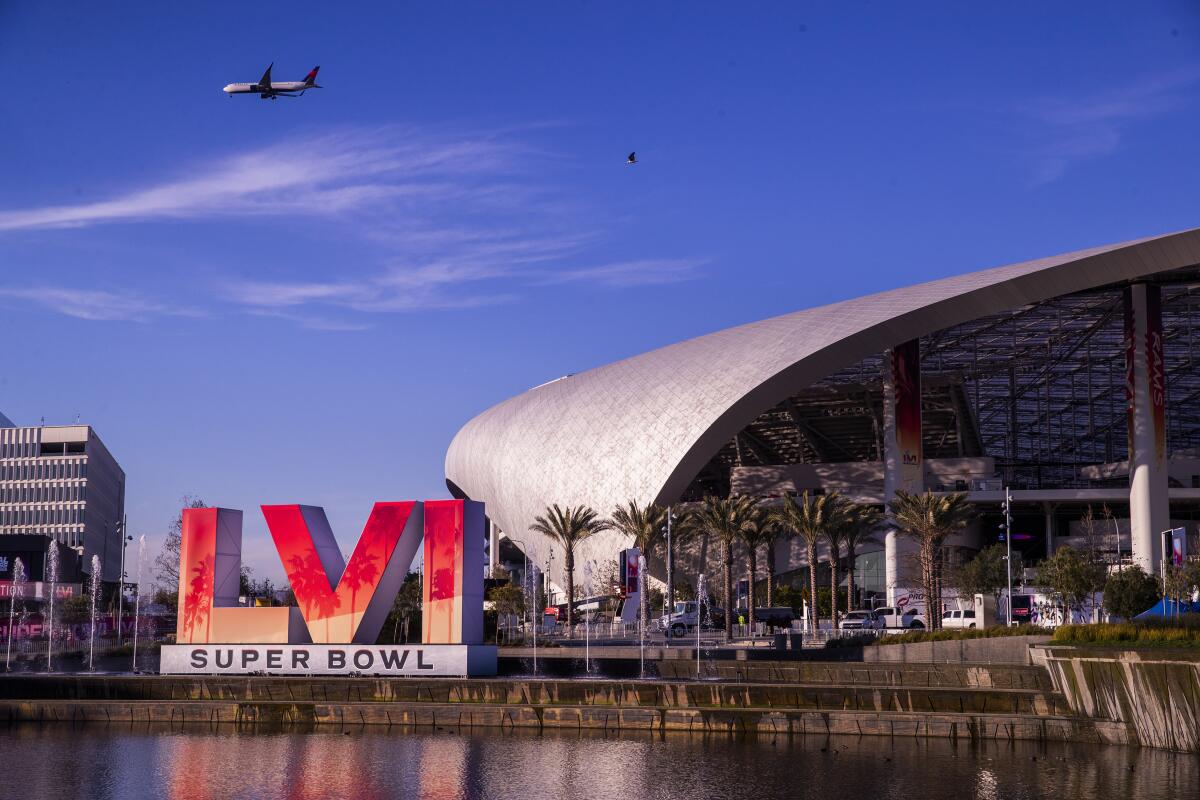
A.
pixel 1169 608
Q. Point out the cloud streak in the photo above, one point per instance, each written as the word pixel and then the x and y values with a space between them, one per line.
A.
pixel 1076 129
pixel 446 222
pixel 93 304
pixel 319 176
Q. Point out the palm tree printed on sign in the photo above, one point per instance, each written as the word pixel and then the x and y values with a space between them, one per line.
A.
pixel 198 601
pixel 339 607
pixel 361 571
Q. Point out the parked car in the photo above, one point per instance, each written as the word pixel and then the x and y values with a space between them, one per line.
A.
pixel 959 619
pixel 903 618
pixel 861 620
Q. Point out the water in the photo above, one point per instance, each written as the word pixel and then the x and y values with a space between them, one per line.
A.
pixel 130 763
pixel 52 580
pixel 137 598
pixel 18 583
pixel 95 592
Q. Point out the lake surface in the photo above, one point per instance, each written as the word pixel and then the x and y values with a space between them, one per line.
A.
pixel 59 761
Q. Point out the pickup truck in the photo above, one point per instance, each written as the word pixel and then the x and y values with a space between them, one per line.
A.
pixel 910 618
pixel 861 620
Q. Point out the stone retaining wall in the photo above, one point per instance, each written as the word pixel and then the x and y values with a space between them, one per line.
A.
pixel 1155 693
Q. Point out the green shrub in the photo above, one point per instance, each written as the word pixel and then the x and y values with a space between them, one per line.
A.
pixel 944 635
pixel 1178 632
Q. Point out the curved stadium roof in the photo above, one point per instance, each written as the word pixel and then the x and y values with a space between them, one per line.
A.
pixel 642 428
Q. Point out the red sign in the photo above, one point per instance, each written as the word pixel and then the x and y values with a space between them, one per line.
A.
pixel 338 602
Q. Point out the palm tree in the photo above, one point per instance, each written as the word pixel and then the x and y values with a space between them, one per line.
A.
pixel 568 527
pixel 861 524
pixel 834 535
pixel 810 518
pixel 723 518
pixel 643 524
pixel 930 519
pixel 754 535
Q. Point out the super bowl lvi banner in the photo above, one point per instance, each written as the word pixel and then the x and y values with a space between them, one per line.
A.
pixel 341 605
pixel 906 377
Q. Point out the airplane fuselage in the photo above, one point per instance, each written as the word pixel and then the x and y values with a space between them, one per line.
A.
pixel 275 87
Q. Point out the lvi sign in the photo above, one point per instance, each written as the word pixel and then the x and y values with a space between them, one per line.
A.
pixel 341 606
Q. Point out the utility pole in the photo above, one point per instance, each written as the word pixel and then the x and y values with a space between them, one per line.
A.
pixel 1007 526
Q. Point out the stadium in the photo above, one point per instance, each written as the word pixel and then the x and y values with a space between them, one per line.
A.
pixel 1070 380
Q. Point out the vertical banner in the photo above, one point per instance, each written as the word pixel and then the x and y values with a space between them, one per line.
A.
pixel 629 571
pixel 906 377
pixel 1156 370
pixel 1156 374
pixel 454 566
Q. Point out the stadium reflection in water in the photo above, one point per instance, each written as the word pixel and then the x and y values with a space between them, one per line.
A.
pixel 50 762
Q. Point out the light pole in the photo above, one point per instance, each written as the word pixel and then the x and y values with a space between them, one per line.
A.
pixel 125 539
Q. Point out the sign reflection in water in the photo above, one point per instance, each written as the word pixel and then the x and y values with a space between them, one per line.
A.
pixel 200 763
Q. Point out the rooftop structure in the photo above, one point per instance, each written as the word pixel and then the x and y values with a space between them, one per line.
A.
pixel 60 481
pixel 1052 376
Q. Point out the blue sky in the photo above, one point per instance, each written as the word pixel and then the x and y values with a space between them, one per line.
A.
pixel 303 300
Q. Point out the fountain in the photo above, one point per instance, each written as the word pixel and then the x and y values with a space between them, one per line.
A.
pixel 52 581
pixel 641 584
pixel 137 598
pixel 588 568
pixel 701 596
pixel 95 592
pixel 18 583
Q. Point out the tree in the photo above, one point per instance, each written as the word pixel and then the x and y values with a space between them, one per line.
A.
pixel 167 561
pixel 930 519
pixel 646 526
pixel 987 572
pixel 862 522
pixel 810 518
pixel 569 527
pixel 1130 591
pixel 405 608
pixel 723 518
pixel 1071 576
pixel 833 538
pixel 754 534
pixel 508 599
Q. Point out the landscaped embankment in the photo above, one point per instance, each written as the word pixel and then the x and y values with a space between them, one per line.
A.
pixel 897 700
pixel 1154 692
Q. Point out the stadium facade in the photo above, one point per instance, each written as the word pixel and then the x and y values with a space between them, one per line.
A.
pixel 1069 379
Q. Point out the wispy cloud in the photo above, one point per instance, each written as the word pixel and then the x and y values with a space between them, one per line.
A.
pixel 321 175
pixel 92 304
pixel 1076 129
pixel 445 222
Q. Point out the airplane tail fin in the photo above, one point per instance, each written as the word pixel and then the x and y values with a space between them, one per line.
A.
pixel 311 78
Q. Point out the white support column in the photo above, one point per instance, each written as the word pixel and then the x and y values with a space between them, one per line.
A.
pixel 903 466
pixel 1145 385
pixel 493 546
pixel 1048 510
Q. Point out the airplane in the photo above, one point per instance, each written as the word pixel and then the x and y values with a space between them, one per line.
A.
pixel 268 90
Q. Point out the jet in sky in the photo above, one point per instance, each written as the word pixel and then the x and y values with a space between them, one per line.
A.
pixel 268 90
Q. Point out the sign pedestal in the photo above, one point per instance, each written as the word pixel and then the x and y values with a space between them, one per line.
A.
pixel 391 660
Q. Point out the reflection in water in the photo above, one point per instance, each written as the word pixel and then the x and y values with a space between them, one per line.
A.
pixel 59 761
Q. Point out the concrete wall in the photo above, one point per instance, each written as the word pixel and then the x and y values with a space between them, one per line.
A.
pixel 1000 650
pixel 1156 693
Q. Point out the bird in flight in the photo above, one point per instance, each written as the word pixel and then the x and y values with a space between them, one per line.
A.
pixel 632 158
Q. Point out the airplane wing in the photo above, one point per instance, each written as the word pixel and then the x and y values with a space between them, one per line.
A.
pixel 265 80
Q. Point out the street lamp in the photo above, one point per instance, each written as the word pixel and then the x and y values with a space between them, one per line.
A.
pixel 1007 526
pixel 125 539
